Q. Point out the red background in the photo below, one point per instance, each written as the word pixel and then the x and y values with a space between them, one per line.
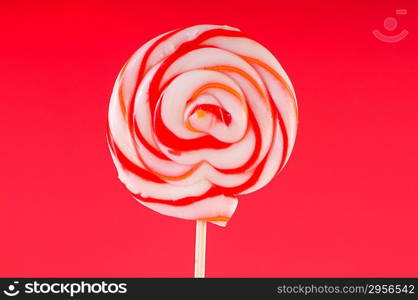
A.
pixel 345 205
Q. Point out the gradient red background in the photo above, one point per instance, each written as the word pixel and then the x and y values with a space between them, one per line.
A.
pixel 345 205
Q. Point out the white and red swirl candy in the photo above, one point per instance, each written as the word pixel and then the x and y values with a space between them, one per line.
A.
pixel 198 116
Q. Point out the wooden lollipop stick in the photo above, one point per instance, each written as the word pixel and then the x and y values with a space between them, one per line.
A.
pixel 200 254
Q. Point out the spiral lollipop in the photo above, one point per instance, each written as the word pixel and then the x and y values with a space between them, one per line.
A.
pixel 197 117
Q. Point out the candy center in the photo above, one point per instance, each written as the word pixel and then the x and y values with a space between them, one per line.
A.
pixel 203 117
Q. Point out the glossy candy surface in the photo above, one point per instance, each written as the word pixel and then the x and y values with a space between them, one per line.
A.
pixel 198 116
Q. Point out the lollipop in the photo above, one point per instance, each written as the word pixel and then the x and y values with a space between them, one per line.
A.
pixel 197 117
